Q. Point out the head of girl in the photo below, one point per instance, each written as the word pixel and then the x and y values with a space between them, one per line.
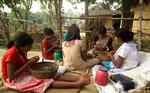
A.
pixel 49 33
pixel 22 41
pixel 73 33
pixel 124 35
pixel 102 31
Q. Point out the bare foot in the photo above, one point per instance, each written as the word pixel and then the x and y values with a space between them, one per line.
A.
pixel 86 74
pixel 83 82
pixel 84 79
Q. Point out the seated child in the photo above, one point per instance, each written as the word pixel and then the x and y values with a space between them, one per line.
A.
pixel 47 45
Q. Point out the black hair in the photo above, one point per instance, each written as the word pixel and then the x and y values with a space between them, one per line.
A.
pixel 102 30
pixel 21 39
pixel 48 31
pixel 125 34
pixel 73 33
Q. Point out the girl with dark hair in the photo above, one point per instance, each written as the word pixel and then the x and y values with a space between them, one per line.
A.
pixel 73 33
pixel 126 56
pixel 74 52
pixel 104 42
pixel 16 74
pixel 47 46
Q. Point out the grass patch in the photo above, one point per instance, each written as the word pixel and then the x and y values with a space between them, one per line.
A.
pixel 36 47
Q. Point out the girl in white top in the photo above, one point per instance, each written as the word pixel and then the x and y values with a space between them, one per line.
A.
pixel 126 56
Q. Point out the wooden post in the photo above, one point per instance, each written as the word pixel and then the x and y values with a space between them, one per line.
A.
pixel 86 23
pixel 59 25
pixel 140 25
pixel 126 13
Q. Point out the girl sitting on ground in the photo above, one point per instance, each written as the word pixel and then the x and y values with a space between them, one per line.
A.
pixel 74 52
pixel 104 42
pixel 47 46
pixel 16 74
pixel 126 56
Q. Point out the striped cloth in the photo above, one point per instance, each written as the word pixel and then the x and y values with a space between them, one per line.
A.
pixel 26 82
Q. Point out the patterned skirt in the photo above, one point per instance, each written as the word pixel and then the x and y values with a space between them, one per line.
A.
pixel 27 83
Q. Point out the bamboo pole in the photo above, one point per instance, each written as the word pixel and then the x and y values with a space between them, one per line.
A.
pixel 27 21
pixel 90 17
pixel 140 25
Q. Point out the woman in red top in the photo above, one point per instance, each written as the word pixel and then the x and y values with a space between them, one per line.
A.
pixel 16 75
pixel 47 46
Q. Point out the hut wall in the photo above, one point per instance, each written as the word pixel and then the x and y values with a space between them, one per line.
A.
pixel 146 14
pixel 109 23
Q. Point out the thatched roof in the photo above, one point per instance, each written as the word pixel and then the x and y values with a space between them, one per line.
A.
pixel 97 11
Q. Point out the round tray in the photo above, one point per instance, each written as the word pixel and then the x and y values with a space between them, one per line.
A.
pixel 44 69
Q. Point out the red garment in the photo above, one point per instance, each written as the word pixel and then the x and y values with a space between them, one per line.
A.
pixel 105 41
pixel 25 81
pixel 47 45
pixel 11 56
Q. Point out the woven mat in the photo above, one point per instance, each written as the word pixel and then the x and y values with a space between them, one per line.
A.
pixel 87 89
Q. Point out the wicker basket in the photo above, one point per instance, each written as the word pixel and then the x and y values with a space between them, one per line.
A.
pixel 95 52
pixel 146 89
pixel 103 56
pixel 44 69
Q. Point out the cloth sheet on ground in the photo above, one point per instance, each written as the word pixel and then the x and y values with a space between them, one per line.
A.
pixel 139 74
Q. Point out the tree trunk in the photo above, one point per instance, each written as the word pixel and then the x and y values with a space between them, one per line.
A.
pixel 59 25
pixel 5 26
pixel 86 23
pixel 28 5
pixel 18 16
pixel 126 14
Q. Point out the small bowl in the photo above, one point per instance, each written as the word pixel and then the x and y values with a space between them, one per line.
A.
pixel 44 69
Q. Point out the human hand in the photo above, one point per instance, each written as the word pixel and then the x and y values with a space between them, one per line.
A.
pixel 101 48
pixel 110 54
pixel 33 60
pixel 89 56
pixel 56 45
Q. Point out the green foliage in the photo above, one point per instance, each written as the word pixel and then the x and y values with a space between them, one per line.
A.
pixel 74 2
pixel 109 4
pixel 9 3
pixel 1 4
pixel 70 21
pixel 36 47
pixel 116 44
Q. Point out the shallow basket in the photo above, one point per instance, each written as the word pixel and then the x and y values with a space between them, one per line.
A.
pixel 102 55
pixel 44 69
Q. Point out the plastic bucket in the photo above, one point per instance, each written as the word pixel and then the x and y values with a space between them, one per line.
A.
pixel 101 77
pixel 106 64
pixel 57 56
pixel 65 36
